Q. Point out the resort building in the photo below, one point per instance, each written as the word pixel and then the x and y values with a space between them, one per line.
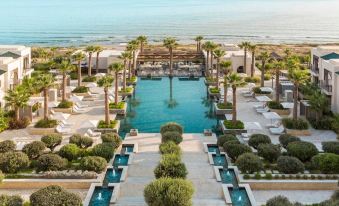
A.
pixel 236 56
pixel 325 72
pixel 106 57
pixel 15 64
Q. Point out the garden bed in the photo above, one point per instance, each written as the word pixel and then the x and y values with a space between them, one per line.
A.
pixel 128 91
pixel 121 108
pixel 297 132
pixel 41 131
pixel 231 131
pixel 115 127
pixel 132 81
pixel 63 110
pixel 222 111
pixel 213 92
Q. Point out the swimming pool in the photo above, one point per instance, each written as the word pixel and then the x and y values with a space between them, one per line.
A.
pixel 156 102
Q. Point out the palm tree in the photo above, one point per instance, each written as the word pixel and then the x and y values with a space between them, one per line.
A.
pixel 170 43
pixel 278 66
pixel 297 77
pixel 198 39
pixel 130 58
pixel 116 68
pixel 287 53
pixel 90 50
pixel 98 49
pixel 225 66
pixel 64 67
pixel 125 56
pixel 319 103
pixel 213 47
pixel 253 49
pixel 218 53
pixel 235 81
pixel 79 57
pixel 133 47
pixel 264 57
pixel 208 47
pixel 43 83
pixel 245 45
pixel 17 98
pixel 106 82
pixel 142 41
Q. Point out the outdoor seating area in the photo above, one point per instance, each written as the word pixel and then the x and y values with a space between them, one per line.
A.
pixel 180 69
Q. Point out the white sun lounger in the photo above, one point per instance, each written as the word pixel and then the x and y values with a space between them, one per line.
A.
pixel 266 109
pixel 63 130
pixel 277 131
pixel 91 133
pixel 78 104
pixel 64 122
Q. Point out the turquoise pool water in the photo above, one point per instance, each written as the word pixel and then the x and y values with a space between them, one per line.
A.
pixel 127 148
pixel 156 102
pixel 120 160
pixel 239 197
pixel 101 196
pixel 228 177
pixel 113 175
pixel 219 160
pixel 213 148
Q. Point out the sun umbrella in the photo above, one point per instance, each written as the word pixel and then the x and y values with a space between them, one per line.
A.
pixel 266 89
pixel 287 105
pixel 272 116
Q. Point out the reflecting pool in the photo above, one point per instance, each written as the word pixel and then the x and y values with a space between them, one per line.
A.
pixel 113 175
pixel 120 160
pixel 239 197
pixel 101 196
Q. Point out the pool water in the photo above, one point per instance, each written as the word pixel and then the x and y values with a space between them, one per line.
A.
pixel 155 103
pixel 239 197
pixel 127 148
pixel 228 177
pixel 113 175
pixel 219 160
pixel 120 160
pixel 101 196
pixel 213 148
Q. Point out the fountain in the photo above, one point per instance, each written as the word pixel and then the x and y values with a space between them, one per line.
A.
pixel 101 196
pixel 121 160
pixel 112 175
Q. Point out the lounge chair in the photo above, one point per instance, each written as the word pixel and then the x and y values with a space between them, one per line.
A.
pixel 91 133
pixel 63 130
pixel 247 93
pixel 64 122
pixel 266 109
pixel 78 104
pixel 277 131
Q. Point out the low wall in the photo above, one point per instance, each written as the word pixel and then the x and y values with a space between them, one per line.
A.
pixel 40 183
pixel 292 184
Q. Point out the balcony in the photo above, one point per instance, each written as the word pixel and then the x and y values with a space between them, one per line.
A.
pixel 314 70
pixel 326 87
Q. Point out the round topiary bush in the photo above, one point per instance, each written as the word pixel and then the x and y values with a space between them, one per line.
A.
pixel 269 152
pixel 225 138
pixel 70 152
pixel 171 127
pixel 7 146
pixel 290 165
pixel 103 150
pixel 11 200
pixel 93 163
pixel 331 147
pixel 234 150
pixel 249 163
pixel 52 141
pixel 81 141
pixel 326 163
pixel 54 196
pixel 50 162
pixel 2 176
pixel 285 139
pixel 169 192
pixel 170 166
pixel 176 137
pixel 169 147
pixel 34 149
pixel 113 138
pixel 257 139
pixel 12 162
pixel 304 151
pixel 278 201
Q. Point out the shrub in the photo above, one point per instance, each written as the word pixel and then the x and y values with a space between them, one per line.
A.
pixel 225 138
pixel 112 138
pixel 170 166
pixel 230 125
pixel 70 152
pixel 257 90
pixel 278 201
pixel 327 163
pixel 285 139
pixel 169 192
pixel 81 89
pixel 274 105
pixel 298 124
pixel 54 196
pixel 214 90
pixel 80 141
pixel 257 139
pixel 228 105
pixel 102 124
pixel 269 152
pixel 252 79
pixel 50 162
pixel 93 163
pixel 234 150
pixel 268 176
pixel 290 165
pixel 331 147
pixel 52 140
pixel 7 146
pixel 18 124
pixel 11 200
pixel 34 149
pixel 176 137
pixel 249 162
pixel 103 150
pixel 65 104
pixel 49 123
pixel 170 147
pixel 267 77
pixel 171 127
pixel 302 150
pixel 2 176
pixel 89 79
pixel 73 75
pixel 12 162
pixel 324 123
pixel 120 105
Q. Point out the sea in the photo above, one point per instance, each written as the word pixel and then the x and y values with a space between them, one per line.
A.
pixel 82 22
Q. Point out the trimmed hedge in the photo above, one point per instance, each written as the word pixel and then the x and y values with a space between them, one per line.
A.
pixel 103 150
pixel 81 89
pixel 174 136
pixel 331 147
pixel 93 163
pixel 169 147
pixel 225 138
pixel 70 152
pixel 51 162
pixel 52 140
pixel 170 166
pixel 257 139
pixel 278 201
pixel 298 124
pixel 65 104
pixel 34 149
pixel 7 146
pixel 81 141
pixel 269 152
pixel 249 163
pixel 238 124
pixel 49 123
pixel 112 138
pixel 302 150
pixel 274 105
pixel 290 165
pixel 285 139
pixel 89 79
pixel 171 127
pixel 326 163
pixel 11 200
pixel 12 162
pixel 234 150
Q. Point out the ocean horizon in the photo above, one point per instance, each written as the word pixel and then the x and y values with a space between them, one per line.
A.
pixel 81 22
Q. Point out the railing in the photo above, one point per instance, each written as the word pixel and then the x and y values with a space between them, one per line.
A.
pixel 326 86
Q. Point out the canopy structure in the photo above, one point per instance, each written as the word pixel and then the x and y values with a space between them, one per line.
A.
pixel 271 115
pixel 252 126
pixel 263 98
pixel 90 124
pixel 266 89
pixel 287 105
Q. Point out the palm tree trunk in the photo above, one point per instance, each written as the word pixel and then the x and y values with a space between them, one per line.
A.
pixel 277 85
pixel 171 63
pixel 211 63
pixel 253 63
pixel 64 86
pixel 134 64
pixel 141 47
pixel 217 75
pixel 234 107
pixel 124 76
pixel 129 68
pixel 225 91
pixel 207 63
pixel 46 103
pixel 90 64
pixel 17 115
pixel 245 59
pixel 79 73
pixel 116 89
pixel 197 46
pixel 107 120
pixel 295 102
pixel 262 82
pixel 97 63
